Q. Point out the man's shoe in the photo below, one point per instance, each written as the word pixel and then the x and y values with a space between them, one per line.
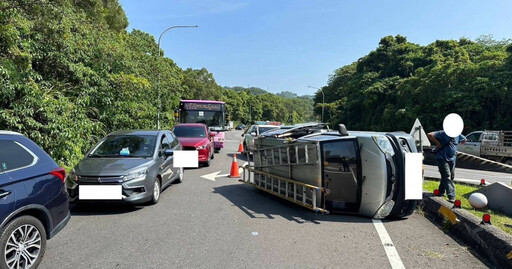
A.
pixel 451 200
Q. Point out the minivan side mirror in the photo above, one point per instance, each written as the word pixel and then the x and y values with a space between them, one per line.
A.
pixel 212 134
pixel 168 152
pixel 253 134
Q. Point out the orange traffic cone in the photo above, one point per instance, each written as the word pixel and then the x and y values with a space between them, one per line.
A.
pixel 234 168
pixel 241 146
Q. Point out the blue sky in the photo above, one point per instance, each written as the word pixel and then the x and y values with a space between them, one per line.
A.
pixel 287 45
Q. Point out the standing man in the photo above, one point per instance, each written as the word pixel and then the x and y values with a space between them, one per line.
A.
pixel 446 153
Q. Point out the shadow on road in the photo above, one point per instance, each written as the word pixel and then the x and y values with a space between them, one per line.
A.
pixel 259 204
pixel 99 208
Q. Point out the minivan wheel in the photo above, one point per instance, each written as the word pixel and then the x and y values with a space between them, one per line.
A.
pixel 22 243
pixel 208 163
pixel 156 192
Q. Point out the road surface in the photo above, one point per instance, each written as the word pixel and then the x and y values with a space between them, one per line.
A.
pixel 202 223
pixel 470 175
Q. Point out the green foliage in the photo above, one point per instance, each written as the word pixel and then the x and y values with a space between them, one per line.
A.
pixel 70 73
pixel 400 81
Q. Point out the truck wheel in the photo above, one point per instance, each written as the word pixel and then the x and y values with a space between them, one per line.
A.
pixel 23 243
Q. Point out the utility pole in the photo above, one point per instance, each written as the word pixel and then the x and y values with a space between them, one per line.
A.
pixel 160 55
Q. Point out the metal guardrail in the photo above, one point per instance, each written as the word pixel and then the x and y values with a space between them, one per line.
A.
pixel 481 161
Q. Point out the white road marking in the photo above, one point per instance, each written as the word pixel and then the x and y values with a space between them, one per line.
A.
pixel 213 175
pixel 393 257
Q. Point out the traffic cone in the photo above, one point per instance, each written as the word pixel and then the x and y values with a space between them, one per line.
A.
pixel 234 168
pixel 241 146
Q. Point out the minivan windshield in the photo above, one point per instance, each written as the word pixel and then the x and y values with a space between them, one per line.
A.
pixel 189 131
pixel 126 146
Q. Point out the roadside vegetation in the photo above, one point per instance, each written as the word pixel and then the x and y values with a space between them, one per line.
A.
pixel 400 81
pixel 498 219
pixel 70 73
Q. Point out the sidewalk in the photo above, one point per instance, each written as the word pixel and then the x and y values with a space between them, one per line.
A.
pixel 470 176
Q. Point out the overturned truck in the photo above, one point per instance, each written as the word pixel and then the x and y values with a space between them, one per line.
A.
pixel 350 172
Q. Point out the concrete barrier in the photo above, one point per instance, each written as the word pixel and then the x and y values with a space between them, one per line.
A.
pixel 489 241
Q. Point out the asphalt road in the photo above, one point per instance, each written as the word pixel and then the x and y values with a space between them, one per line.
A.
pixel 202 223
pixel 471 175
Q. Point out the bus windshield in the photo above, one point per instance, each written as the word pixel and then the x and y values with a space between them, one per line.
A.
pixel 210 118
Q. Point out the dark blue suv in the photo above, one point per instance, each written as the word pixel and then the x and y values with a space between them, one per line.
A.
pixel 33 201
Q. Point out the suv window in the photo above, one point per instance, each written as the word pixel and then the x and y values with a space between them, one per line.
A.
pixel 14 156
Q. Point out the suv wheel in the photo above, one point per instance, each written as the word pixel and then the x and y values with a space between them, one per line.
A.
pixel 156 192
pixel 22 243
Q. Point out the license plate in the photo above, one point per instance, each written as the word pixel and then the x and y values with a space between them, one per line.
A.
pixel 100 192
pixel 413 176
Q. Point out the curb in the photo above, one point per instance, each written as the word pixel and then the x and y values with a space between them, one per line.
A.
pixel 489 241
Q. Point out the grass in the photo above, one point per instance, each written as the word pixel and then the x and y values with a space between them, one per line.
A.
pixel 498 219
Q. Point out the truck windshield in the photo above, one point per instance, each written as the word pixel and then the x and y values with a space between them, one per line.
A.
pixel 126 146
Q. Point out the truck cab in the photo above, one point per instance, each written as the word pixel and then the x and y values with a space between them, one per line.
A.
pixel 473 143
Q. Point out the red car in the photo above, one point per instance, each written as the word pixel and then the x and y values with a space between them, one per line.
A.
pixel 195 136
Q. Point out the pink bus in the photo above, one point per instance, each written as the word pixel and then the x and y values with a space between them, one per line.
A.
pixel 211 113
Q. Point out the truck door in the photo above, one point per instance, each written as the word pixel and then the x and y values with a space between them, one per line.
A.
pixel 341 175
pixel 472 145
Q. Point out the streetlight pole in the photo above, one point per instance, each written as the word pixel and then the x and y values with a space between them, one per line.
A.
pixel 323 100
pixel 160 55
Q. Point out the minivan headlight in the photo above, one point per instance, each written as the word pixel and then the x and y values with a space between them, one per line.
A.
pixel 136 174
pixel 384 145
pixel 202 147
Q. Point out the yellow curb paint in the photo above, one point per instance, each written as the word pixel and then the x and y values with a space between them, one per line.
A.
pixel 509 256
pixel 448 213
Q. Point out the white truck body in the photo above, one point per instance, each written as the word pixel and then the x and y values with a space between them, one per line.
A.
pixel 493 145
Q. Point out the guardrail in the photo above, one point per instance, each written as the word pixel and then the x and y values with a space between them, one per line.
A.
pixel 482 161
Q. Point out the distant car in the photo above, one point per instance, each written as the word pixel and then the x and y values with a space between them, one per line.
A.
pixel 195 136
pixel 241 127
pixel 253 132
pixel 33 201
pixel 130 166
